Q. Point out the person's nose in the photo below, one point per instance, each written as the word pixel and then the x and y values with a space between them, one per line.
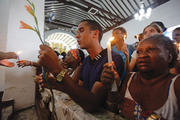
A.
pixel 77 36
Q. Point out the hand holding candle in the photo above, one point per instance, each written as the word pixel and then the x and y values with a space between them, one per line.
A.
pixel 114 86
pixel 178 46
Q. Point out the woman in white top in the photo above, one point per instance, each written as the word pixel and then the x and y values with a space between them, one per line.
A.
pixel 148 31
pixel 152 93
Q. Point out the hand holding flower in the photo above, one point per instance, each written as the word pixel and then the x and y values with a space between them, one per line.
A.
pixel 49 59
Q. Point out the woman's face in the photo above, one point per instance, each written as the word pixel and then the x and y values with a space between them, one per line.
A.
pixel 69 60
pixel 118 37
pixel 152 56
pixel 149 31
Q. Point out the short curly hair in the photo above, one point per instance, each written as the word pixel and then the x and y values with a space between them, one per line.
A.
pixel 168 44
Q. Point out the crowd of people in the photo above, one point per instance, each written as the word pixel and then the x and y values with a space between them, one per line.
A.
pixel 146 75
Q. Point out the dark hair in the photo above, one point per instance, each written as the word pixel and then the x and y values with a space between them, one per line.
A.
pixel 178 28
pixel 57 53
pixel 156 26
pixel 81 54
pixel 63 54
pixel 161 24
pixel 123 30
pixel 139 36
pixel 168 44
pixel 94 26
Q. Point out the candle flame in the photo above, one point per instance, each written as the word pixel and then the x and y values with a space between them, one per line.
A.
pixel 110 39
pixel 178 45
pixel 19 52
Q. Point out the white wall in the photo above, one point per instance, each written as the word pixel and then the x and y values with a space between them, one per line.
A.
pixel 4 13
pixel 168 13
pixel 19 83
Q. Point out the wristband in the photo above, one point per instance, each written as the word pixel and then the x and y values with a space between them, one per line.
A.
pixel 61 75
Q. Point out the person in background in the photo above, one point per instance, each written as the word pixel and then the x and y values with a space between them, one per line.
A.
pixel 90 93
pixel 73 61
pixel 4 56
pixel 161 24
pixel 139 37
pixel 63 54
pixel 176 34
pixel 148 31
pixel 176 38
pixel 119 46
pixel 153 93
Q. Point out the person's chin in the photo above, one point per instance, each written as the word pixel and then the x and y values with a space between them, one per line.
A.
pixel 143 67
pixel 82 47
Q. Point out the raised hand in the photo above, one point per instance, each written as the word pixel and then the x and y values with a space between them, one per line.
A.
pixel 52 82
pixel 6 63
pixel 8 55
pixel 23 63
pixel 49 59
pixel 109 74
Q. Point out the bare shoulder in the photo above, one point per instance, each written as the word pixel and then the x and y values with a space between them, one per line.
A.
pixel 176 86
pixel 177 90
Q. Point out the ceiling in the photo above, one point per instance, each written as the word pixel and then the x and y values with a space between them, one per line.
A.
pixel 67 14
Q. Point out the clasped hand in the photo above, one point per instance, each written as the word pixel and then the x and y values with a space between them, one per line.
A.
pixel 23 63
pixel 109 74
pixel 52 82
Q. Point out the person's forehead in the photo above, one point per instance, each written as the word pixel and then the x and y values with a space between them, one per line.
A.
pixel 149 28
pixel 150 42
pixel 117 31
pixel 177 31
pixel 83 24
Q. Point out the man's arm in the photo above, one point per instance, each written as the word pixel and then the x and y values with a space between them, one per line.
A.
pixel 90 100
pixel 8 55
pixel 23 63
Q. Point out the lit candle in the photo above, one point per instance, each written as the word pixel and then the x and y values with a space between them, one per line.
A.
pixel 18 53
pixel 114 86
pixel 178 46
pixel 109 50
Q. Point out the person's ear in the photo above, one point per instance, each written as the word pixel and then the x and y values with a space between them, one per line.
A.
pixel 95 33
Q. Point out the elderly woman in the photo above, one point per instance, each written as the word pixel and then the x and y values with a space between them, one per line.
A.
pixel 152 93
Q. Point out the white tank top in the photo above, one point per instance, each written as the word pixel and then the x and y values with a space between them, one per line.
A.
pixel 170 109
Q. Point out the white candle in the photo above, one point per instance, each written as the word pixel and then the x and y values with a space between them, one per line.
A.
pixel 109 50
pixel 18 53
pixel 114 86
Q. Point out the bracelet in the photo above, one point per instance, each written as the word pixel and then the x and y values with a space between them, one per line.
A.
pixel 61 75
pixel 154 117
pixel 31 63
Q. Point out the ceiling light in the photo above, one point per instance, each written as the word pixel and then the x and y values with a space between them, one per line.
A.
pixel 142 13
